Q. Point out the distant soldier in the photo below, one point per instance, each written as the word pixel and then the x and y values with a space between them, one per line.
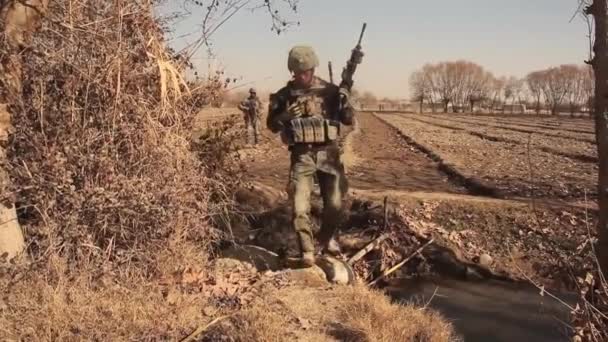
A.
pixel 251 108
pixel 308 113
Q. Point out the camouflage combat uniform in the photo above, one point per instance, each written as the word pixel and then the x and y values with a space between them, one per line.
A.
pixel 251 108
pixel 308 160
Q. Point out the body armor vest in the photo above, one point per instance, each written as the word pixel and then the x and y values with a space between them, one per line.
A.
pixel 315 125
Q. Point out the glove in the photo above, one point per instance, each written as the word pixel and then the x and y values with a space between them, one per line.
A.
pixel 344 93
pixel 344 96
pixel 296 109
pixel 358 56
pixel 293 111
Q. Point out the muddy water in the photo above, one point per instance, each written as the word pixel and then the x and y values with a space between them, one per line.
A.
pixel 491 311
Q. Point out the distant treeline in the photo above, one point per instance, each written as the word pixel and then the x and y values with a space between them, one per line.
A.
pixel 466 86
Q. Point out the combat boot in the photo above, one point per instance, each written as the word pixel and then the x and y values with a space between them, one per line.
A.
pixel 308 259
pixel 332 248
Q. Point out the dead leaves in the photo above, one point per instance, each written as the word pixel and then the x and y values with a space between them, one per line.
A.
pixel 232 286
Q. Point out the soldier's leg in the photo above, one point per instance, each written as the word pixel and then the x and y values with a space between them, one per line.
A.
pixel 247 128
pixel 331 193
pixel 250 130
pixel 300 188
pixel 256 130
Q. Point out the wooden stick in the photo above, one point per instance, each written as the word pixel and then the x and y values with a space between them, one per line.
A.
pixel 385 212
pixel 201 329
pixel 396 267
pixel 370 246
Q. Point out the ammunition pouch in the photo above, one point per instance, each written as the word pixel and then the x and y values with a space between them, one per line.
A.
pixel 311 130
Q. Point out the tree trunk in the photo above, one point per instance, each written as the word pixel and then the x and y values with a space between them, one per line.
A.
pixel 600 68
pixel 513 106
pixel 572 109
pixel 445 106
pixel 420 106
pixel 20 19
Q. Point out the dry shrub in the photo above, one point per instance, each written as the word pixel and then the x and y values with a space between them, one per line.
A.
pixel 210 91
pixel 109 191
pixel 101 151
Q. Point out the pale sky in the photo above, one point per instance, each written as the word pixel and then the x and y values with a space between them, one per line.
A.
pixel 505 37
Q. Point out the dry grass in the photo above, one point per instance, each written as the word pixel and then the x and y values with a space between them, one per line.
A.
pixel 258 323
pixel 88 306
pixel 367 315
pixel 308 313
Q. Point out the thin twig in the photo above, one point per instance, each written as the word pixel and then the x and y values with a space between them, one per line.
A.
pixel 578 10
pixel 541 288
pixel 368 248
pixel 385 213
pixel 202 329
pixel 400 264
pixel 431 299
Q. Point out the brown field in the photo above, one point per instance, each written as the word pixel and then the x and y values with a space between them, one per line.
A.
pixel 530 157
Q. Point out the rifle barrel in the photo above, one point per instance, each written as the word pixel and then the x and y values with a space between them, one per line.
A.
pixel 362 32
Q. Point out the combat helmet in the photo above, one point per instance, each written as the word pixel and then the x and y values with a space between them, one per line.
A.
pixel 302 58
pixel 252 91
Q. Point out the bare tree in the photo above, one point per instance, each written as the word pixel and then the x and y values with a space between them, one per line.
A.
pixel 420 89
pixel 216 13
pixel 599 10
pixel 588 87
pixel 441 77
pixel 512 90
pixel 574 87
pixel 458 83
pixel 473 84
pixel 432 90
pixel 555 84
pixel 534 81
pixel 495 91
pixel 368 99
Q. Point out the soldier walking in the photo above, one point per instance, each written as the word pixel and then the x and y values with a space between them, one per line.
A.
pixel 251 108
pixel 308 113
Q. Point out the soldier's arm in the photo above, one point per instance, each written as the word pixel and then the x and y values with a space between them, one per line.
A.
pixel 242 106
pixel 259 104
pixel 276 112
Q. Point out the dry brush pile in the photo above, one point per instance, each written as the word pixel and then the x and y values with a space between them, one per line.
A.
pixel 107 186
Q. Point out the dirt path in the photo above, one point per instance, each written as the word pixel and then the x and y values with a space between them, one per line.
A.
pixel 384 162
